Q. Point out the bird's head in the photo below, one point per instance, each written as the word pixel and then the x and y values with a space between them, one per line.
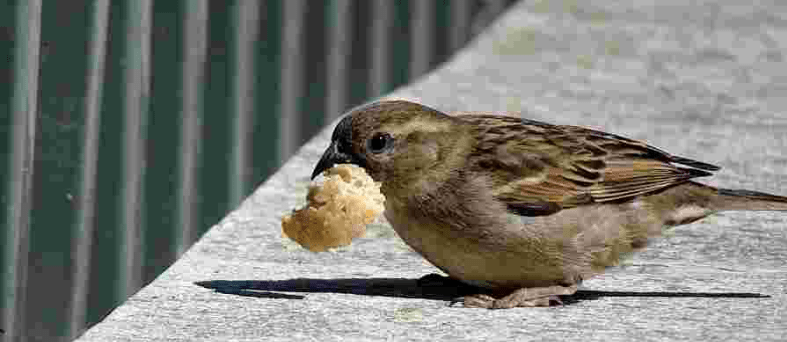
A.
pixel 394 141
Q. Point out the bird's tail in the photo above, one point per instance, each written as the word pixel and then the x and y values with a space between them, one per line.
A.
pixel 729 199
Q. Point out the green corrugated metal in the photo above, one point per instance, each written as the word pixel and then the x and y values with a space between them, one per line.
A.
pixel 183 135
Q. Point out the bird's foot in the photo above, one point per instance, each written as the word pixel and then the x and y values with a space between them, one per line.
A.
pixel 524 297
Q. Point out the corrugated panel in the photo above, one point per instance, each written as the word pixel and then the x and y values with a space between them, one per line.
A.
pixel 195 47
pixel 246 19
pixel 460 24
pixel 379 44
pixel 137 80
pixel 339 38
pixel 19 201
pixel 144 122
pixel 82 245
pixel 293 54
pixel 422 31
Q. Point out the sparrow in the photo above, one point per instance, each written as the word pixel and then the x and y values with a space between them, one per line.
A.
pixel 522 209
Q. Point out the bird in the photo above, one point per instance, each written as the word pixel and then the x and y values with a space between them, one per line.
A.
pixel 521 209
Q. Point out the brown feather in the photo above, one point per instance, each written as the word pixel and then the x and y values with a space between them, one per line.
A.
pixel 551 166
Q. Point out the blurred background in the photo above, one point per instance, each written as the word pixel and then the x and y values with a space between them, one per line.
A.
pixel 131 127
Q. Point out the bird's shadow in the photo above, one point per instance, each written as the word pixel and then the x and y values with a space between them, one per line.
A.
pixel 432 286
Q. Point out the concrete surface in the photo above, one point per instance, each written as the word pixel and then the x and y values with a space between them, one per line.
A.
pixel 706 80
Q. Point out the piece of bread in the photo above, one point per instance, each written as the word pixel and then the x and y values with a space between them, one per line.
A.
pixel 338 210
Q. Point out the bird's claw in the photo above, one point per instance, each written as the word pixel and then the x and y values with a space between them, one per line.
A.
pixel 525 297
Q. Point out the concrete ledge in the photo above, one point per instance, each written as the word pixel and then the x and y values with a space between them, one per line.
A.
pixel 705 80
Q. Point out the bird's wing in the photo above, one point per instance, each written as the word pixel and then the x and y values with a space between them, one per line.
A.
pixel 538 168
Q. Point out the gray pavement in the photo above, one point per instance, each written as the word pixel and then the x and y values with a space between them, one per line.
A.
pixel 706 80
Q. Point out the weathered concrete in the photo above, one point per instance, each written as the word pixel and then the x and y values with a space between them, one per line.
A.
pixel 705 80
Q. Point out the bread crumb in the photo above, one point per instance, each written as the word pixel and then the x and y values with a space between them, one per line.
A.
pixel 338 210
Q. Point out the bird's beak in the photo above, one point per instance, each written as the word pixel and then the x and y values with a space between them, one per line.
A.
pixel 330 158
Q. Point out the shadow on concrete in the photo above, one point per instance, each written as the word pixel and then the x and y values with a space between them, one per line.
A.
pixel 429 287
pixel 388 287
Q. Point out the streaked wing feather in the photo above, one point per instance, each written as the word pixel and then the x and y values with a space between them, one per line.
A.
pixel 540 168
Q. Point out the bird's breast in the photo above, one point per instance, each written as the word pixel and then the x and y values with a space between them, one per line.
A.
pixel 488 253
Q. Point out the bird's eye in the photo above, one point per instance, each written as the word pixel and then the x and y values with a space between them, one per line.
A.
pixel 379 143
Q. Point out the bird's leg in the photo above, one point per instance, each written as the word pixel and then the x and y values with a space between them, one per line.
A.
pixel 524 297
